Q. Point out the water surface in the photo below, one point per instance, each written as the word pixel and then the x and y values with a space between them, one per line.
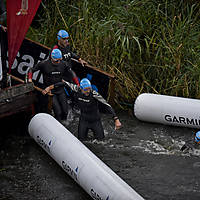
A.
pixel 145 155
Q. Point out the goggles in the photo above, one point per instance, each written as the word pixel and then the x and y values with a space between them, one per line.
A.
pixel 56 60
pixel 86 89
pixel 66 39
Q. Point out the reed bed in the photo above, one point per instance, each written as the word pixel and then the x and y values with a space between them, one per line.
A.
pixel 150 45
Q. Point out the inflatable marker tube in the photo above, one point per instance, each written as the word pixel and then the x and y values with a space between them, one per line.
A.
pixel 96 178
pixel 169 110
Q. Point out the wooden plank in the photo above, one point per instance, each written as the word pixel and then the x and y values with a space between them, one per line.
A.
pixel 111 94
pixel 14 91
pixel 21 81
pixel 17 104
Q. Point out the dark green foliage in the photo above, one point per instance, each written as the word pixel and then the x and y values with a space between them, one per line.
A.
pixel 150 45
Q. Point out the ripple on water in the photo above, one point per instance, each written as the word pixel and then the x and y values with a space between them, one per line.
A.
pixel 196 165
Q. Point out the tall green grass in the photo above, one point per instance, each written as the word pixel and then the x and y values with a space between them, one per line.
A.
pixel 150 46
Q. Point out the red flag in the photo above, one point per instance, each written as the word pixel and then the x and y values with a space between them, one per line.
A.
pixel 20 14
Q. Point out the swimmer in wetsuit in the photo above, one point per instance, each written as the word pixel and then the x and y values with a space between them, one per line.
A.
pixel 87 100
pixel 53 70
pixel 192 144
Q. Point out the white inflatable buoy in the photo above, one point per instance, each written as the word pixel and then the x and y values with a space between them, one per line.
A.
pixel 95 177
pixel 169 110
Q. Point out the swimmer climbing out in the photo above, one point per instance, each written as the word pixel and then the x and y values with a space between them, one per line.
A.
pixel 192 144
pixel 87 99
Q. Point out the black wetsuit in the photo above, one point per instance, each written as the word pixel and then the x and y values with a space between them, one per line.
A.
pixel 190 144
pixel 53 73
pixel 67 55
pixel 90 116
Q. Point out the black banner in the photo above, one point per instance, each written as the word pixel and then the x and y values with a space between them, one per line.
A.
pixel 31 53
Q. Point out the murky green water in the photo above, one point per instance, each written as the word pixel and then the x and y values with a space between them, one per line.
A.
pixel 146 156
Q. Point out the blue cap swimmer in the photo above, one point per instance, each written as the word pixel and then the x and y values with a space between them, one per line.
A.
pixel 62 34
pixel 197 137
pixel 56 55
pixel 85 86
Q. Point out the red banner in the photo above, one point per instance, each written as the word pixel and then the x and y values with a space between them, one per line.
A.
pixel 20 14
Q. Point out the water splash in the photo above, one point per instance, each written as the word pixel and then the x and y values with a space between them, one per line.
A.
pixel 171 147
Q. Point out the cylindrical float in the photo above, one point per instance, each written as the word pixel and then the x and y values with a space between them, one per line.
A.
pixel 169 110
pixel 95 177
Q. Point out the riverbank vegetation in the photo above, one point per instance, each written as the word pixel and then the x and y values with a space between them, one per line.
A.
pixel 150 45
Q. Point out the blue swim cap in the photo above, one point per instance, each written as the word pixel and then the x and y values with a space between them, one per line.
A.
pixel 62 34
pixel 56 54
pixel 85 83
pixel 197 137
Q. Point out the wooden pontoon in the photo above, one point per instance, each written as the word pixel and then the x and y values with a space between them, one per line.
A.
pixel 17 98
